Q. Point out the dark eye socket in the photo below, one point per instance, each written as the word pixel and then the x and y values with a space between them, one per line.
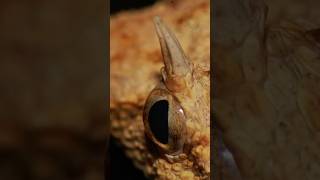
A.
pixel 158 120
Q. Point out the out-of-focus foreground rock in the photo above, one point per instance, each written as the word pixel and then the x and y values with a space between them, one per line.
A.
pixel 53 78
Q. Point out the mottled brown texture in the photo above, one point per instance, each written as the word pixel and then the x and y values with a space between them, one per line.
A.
pixel 135 70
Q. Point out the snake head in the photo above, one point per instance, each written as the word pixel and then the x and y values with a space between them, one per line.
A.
pixel 177 112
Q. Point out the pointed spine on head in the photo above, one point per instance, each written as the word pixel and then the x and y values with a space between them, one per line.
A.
pixel 176 65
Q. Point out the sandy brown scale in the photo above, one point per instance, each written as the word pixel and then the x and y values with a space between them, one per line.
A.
pixel 135 70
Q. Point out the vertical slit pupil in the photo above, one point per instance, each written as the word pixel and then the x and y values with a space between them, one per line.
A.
pixel 158 120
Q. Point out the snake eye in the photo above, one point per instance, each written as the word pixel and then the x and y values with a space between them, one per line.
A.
pixel 164 121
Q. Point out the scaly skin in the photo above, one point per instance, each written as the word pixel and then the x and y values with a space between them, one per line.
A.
pixel 136 61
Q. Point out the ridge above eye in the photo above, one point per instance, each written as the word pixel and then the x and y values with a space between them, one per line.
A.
pixel 158 120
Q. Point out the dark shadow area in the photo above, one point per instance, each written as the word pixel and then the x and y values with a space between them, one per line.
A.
pixel 53 89
pixel 121 5
pixel 121 166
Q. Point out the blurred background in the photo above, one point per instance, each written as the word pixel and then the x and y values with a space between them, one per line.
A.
pixel 53 93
